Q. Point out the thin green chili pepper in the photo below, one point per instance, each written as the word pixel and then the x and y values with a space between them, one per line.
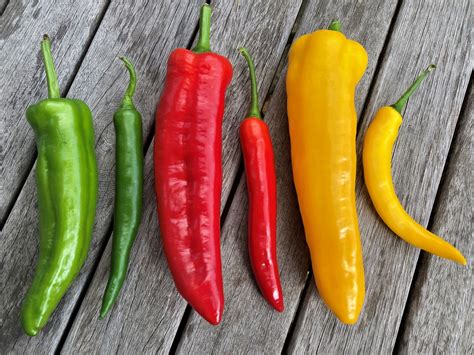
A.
pixel 128 189
pixel 66 178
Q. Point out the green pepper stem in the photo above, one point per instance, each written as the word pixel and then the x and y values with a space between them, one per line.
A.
pixel 51 77
pixel 254 110
pixel 335 25
pixel 204 41
pixel 127 98
pixel 402 101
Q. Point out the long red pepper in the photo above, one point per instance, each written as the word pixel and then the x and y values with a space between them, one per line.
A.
pixel 261 185
pixel 188 170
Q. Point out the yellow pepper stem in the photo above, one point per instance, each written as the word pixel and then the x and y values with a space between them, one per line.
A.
pixel 402 101
pixel 335 25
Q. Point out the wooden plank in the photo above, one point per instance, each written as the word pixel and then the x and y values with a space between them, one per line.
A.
pixel 3 5
pixel 439 314
pixel 149 299
pixel 22 77
pixel 249 324
pixel 423 33
pixel 147 313
pixel 145 31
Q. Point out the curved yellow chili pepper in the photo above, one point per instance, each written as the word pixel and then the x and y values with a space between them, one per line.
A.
pixel 377 159
pixel 323 71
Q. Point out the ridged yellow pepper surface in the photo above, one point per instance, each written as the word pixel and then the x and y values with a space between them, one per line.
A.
pixel 323 70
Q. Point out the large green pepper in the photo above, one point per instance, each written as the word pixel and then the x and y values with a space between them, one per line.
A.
pixel 66 177
pixel 128 189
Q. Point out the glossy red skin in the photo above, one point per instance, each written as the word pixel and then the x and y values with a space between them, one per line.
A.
pixel 188 175
pixel 261 186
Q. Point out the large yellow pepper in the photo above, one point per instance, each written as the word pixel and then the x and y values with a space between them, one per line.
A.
pixel 377 159
pixel 323 71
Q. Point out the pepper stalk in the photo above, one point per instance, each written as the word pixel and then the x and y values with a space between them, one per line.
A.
pixel 335 25
pixel 204 41
pixel 128 96
pixel 254 110
pixel 51 76
pixel 402 101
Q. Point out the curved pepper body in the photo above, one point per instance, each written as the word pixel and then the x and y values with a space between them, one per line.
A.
pixel 66 175
pixel 128 199
pixel 188 175
pixel 128 190
pixel 377 159
pixel 324 69
pixel 261 185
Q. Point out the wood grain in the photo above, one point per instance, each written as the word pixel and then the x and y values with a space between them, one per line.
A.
pixel 22 77
pixel 148 313
pixel 3 5
pixel 439 313
pixel 147 295
pixel 263 27
pixel 249 324
pixel 145 32
pixel 423 33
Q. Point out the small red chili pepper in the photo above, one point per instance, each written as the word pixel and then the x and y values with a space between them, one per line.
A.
pixel 261 184
pixel 188 170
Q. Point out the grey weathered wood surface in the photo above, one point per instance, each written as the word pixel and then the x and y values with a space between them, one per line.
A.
pixel 145 32
pixel 149 310
pixel 149 314
pixel 22 77
pixel 418 160
pixel 246 311
pixel 3 5
pixel 278 25
pixel 442 327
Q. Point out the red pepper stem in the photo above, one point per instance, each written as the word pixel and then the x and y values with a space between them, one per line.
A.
pixel 400 104
pixel 51 77
pixel 335 25
pixel 204 41
pixel 127 98
pixel 254 110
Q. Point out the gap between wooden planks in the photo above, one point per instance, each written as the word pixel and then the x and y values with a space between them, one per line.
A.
pixel 145 32
pixel 249 324
pixel 438 315
pixel 23 79
pixel 423 33
pixel 150 284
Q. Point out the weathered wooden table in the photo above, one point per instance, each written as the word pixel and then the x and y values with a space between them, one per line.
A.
pixel 415 302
